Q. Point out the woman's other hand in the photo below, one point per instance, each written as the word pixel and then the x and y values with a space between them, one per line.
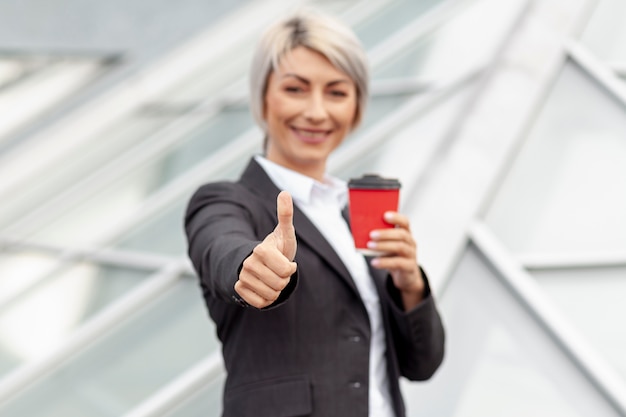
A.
pixel 400 257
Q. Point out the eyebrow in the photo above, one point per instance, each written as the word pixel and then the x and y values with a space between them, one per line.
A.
pixel 306 81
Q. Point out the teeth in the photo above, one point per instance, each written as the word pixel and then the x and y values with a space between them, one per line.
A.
pixel 312 135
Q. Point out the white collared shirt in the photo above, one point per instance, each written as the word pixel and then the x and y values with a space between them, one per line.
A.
pixel 322 203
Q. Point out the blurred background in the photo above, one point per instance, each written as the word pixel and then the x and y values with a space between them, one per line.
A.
pixel 505 121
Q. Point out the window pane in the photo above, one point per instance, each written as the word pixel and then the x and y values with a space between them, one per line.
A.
pixel 56 300
pixel 94 154
pixel 461 44
pixel 205 403
pixel 229 68
pixel 565 190
pixel 408 147
pixel 499 359
pixel 593 298
pixel 164 233
pixel 605 33
pixel 31 86
pixel 391 18
pixel 143 354
pixel 84 222
pixel 29 266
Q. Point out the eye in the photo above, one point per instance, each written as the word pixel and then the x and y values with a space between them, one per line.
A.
pixel 338 93
pixel 293 89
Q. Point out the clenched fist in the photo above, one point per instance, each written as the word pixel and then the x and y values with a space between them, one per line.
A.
pixel 268 270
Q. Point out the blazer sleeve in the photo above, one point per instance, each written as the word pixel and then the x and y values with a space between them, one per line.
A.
pixel 418 334
pixel 221 233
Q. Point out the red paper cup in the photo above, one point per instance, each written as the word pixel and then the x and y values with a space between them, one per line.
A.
pixel 370 197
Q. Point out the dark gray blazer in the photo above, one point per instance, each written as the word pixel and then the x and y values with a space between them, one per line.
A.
pixel 308 353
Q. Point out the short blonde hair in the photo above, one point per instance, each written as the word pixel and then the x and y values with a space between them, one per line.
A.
pixel 320 33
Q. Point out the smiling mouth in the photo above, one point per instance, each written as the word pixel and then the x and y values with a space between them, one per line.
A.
pixel 311 136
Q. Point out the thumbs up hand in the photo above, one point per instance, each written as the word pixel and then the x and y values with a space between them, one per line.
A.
pixel 268 270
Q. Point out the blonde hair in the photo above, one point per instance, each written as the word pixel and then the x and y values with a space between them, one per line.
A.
pixel 320 33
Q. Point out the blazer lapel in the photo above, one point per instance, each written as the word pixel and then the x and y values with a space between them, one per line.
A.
pixel 255 179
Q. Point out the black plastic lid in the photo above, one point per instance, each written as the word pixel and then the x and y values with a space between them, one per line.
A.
pixel 373 181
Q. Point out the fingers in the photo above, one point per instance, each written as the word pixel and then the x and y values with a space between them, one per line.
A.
pixel 268 270
pixel 258 293
pixel 397 244
pixel 251 296
pixel 397 219
pixel 284 211
pixel 264 274
pixel 285 232
pixel 259 285
pixel 396 240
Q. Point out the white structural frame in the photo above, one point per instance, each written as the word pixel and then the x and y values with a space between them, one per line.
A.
pixel 601 376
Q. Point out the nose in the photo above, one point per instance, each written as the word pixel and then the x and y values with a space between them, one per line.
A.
pixel 316 111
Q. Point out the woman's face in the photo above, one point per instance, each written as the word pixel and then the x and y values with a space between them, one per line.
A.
pixel 310 107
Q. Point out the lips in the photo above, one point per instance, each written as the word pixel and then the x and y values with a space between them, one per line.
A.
pixel 311 135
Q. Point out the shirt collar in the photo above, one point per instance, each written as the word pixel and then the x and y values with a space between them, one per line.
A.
pixel 301 187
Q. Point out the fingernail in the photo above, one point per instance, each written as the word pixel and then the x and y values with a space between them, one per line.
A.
pixel 388 215
pixel 374 234
pixel 375 262
pixel 371 244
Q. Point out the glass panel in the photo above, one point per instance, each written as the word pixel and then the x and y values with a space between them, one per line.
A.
pixel 205 403
pixel 95 153
pixel 149 235
pixel 566 188
pixel 377 109
pixel 601 291
pixel 390 18
pixel 408 147
pixel 32 92
pixel 144 353
pixel 605 33
pixel 499 361
pixel 460 45
pixel 52 304
pixel 232 66
pixel 14 69
pixel 27 265
pixel 85 222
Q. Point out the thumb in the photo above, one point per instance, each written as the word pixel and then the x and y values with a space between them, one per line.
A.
pixel 285 230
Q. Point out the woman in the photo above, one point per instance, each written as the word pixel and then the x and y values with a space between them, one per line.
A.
pixel 309 326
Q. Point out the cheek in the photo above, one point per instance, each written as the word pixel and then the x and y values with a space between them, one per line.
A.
pixel 275 109
pixel 348 116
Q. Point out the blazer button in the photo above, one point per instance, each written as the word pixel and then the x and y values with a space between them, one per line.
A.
pixel 355 339
pixel 355 384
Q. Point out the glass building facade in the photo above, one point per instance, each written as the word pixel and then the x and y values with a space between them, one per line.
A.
pixel 505 121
